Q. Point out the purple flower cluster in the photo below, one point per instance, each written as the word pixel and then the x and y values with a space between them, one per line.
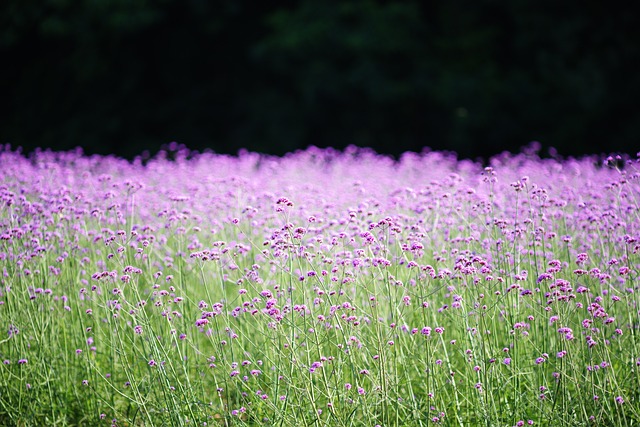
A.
pixel 363 280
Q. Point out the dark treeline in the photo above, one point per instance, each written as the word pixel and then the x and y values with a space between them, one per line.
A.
pixel 480 77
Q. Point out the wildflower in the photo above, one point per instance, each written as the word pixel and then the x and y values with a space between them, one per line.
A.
pixel 202 322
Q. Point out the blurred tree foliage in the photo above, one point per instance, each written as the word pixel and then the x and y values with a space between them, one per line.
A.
pixel 122 76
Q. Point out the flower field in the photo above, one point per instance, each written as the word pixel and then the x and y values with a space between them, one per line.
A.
pixel 322 288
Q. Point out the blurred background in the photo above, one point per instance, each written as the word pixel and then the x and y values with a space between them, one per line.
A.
pixel 474 77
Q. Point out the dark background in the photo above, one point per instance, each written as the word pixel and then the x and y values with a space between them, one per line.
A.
pixel 475 77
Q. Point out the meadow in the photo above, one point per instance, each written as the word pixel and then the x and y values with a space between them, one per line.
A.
pixel 321 288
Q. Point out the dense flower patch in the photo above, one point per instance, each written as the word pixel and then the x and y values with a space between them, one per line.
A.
pixel 321 288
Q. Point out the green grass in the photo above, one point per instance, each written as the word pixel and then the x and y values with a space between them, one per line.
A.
pixel 277 318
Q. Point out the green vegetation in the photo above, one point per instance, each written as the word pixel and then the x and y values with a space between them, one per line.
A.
pixel 321 288
pixel 120 77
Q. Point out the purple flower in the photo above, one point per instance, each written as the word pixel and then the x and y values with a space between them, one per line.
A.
pixel 202 322
pixel 543 277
